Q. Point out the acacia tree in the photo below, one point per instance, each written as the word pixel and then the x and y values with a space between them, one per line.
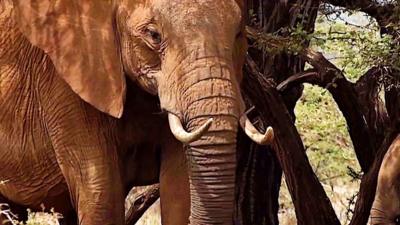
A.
pixel 372 125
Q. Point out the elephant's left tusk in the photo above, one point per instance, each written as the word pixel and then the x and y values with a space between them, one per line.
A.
pixel 179 132
pixel 254 134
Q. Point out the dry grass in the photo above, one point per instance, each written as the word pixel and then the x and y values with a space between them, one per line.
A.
pixel 338 192
pixel 339 195
pixel 34 218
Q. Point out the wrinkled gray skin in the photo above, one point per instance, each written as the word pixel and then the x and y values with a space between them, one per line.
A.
pixel 386 206
pixel 52 142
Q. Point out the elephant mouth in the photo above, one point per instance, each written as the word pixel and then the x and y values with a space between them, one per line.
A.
pixel 185 137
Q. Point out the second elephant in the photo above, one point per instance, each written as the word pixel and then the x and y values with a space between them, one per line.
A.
pixel 386 205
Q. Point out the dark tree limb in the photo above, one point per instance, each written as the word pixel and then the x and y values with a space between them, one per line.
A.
pixel 370 7
pixel 367 91
pixel 385 14
pixel 361 105
pixel 259 176
pixel 344 93
pixel 307 193
pixel 366 118
pixel 368 88
pixel 392 94
pixel 346 97
pixel 310 76
pixel 259 172
pixel 392 97
pixel 141 203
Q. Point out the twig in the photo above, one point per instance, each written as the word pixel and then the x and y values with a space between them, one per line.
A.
pixel 141 204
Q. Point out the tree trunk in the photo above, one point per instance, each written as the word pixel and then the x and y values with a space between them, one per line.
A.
pixel 259 172
pixel 307 193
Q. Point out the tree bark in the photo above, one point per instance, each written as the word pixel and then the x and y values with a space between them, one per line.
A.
pixel 290 152
pixel 259 190
pixel 141 203
pixel 258 184
pixel 365 115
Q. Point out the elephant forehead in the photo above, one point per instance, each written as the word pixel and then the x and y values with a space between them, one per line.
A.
pixel 199 13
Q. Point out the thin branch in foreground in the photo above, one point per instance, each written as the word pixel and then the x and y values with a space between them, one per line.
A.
pixel 309 76
pixel 141 203
pixel 6 212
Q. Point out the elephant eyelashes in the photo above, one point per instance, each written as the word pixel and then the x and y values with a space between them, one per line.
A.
pixel 153 37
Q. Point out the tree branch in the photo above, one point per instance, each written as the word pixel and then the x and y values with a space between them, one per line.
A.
pixel 310 76
pixel 368 89
pixel 383 13
pixel 141 203
pixel 290 151
pixel 370 7
pixel 366 117
pixel 345 95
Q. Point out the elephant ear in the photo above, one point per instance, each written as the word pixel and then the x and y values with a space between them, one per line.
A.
pixel 79 37
pixel 243 6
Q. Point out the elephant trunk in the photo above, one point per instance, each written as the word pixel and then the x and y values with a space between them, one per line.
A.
pixel 212 158
pixel 212 179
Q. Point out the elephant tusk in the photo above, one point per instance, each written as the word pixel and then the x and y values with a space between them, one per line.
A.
pixel 253 134
pixel 183 136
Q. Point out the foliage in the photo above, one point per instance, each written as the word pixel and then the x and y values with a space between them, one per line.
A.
pixel 352 47
pixel 324 133
pixel 355 47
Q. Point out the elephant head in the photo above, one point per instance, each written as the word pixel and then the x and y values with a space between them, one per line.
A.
pixel 188 52
pixel 386 206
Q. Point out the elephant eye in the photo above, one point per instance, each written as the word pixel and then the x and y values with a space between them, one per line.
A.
pixel 397 220
pixel 153 36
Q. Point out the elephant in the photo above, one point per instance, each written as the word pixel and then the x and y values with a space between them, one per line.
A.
pixel 386 205
pixel 84 82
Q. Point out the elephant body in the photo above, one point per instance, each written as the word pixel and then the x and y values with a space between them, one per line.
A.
pixel 38 152
pixel 385 208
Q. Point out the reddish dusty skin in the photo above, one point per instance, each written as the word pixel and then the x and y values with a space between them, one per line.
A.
pixel 189 52
pixel 386 206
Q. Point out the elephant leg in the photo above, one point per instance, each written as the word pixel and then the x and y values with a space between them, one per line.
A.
pixel 174 184
pixel 85 145
pixel 91 172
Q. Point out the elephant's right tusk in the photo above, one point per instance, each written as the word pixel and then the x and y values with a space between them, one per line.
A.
pixel 254 134
pixel 179 132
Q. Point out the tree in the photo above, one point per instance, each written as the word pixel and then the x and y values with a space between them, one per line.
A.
pixel 371 124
